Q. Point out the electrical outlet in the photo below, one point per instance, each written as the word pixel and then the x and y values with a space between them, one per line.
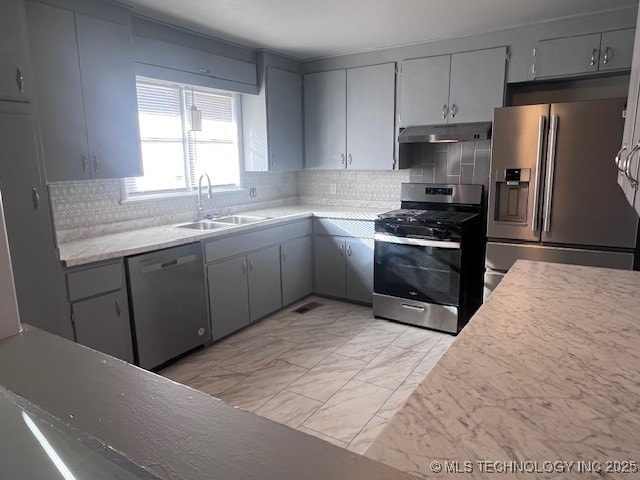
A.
pixel 333 189
pixel 253 192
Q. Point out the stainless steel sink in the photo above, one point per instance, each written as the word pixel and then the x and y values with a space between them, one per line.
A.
pixel 239 219
pixel 203 225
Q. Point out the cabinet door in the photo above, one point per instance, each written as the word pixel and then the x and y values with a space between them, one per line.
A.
pixel 102 323
pixel 325 119
pixel 330 274
pixel 14 85
pixel 296 261
pixel 228 296
pixel 477 85
pixel 265 292
pixel 39 276
pixel 370 117
pixel 567 56
pixel 284 117
pixel 110 101
pixel 616 49
pixel 360 269
pixel 424 91
pixel 52 34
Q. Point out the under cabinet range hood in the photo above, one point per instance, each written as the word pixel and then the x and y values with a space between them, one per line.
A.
pixel 448 133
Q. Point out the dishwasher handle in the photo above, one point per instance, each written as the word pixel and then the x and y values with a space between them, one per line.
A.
pixel 156 266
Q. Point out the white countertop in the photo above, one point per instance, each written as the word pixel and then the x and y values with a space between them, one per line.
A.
pixel 123 244
pixel 547 370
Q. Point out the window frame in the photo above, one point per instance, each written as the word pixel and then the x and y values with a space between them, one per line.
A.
pixel 190 190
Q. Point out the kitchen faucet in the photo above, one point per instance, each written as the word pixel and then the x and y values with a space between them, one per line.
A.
pixel 200 206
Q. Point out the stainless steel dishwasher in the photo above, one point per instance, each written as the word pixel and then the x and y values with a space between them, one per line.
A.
pixel 169 303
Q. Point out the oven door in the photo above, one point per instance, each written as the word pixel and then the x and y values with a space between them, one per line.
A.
pixel 417 269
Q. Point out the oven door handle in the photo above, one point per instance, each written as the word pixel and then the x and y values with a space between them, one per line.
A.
pixel 417 242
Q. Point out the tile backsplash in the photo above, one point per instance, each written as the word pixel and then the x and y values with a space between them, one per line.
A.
pixel 90 208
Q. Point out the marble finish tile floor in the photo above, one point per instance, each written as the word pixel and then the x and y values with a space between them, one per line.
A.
pixel 334 372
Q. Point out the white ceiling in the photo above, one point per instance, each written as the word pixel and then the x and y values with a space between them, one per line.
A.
pixel 316 28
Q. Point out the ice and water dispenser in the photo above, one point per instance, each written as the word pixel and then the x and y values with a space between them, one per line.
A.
pixel 512 194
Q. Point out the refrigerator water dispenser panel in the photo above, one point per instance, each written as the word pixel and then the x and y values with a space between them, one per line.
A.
pixel 512 194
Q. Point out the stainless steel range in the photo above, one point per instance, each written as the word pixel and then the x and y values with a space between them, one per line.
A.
pixel 429 257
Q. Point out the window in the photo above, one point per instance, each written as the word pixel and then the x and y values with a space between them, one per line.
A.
pixel 173 155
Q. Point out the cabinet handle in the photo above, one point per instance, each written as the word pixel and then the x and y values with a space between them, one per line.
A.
pixel 20 79
pixel 342 158
pixel 445 111
pixel 203 70
pixel 607 55
pixel 349 159
pixel 244 267
pixel 273 159
pixel 96 162
pixel 36 198
pixel 627 167
pixel 348 250
pixel 342 250
pixel 284 255
pixel 594 57
pixel 118 308
pixel 454 110
pixel 84 163
pixel 619 155
pixel 250 266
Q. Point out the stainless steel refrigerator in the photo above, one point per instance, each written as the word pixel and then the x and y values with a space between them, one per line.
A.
pixel 553 192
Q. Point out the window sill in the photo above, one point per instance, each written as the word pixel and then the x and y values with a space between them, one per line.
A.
pixel 154 197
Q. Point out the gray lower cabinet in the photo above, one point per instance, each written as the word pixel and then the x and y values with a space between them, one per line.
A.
pixel 14 84
pixel 296 260
pixel 86 94
pixel 103 323
pixel 359 276
pixel 100 308
pixel 344 267
pixel 330 273
pixel 228 296
pixel 265 294
pixel 38 272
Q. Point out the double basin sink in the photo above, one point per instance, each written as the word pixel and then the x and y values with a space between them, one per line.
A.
pixel 223 222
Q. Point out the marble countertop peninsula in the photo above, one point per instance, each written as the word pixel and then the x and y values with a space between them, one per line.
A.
pixel 547 370
pixel 116 245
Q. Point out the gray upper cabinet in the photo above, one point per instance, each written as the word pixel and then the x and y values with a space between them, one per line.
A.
pixel 359 274
pixel 284 119
pixel 39 275
pixel 59 90
pixel 228 296
pixel 477 85
pixel 424 97
pixel 110 100
pixel 330 273
pixel 86 94
pixel 14 84
pixel 616 49
pixel 463 87
pixel 265 294
pixel 583 54
pixel 296 259
pixel 349 118
pixel 103 323
pixel 325 119
pixel 370 117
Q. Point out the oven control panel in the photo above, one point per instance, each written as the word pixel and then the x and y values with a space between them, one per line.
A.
pixel 439 191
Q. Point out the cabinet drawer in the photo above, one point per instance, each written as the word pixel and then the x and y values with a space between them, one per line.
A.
pixel 343 228
pixel 256 240
pixel 95 281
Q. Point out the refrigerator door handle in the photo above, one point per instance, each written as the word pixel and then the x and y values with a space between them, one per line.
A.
pixel 551 162
pixel 536 189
